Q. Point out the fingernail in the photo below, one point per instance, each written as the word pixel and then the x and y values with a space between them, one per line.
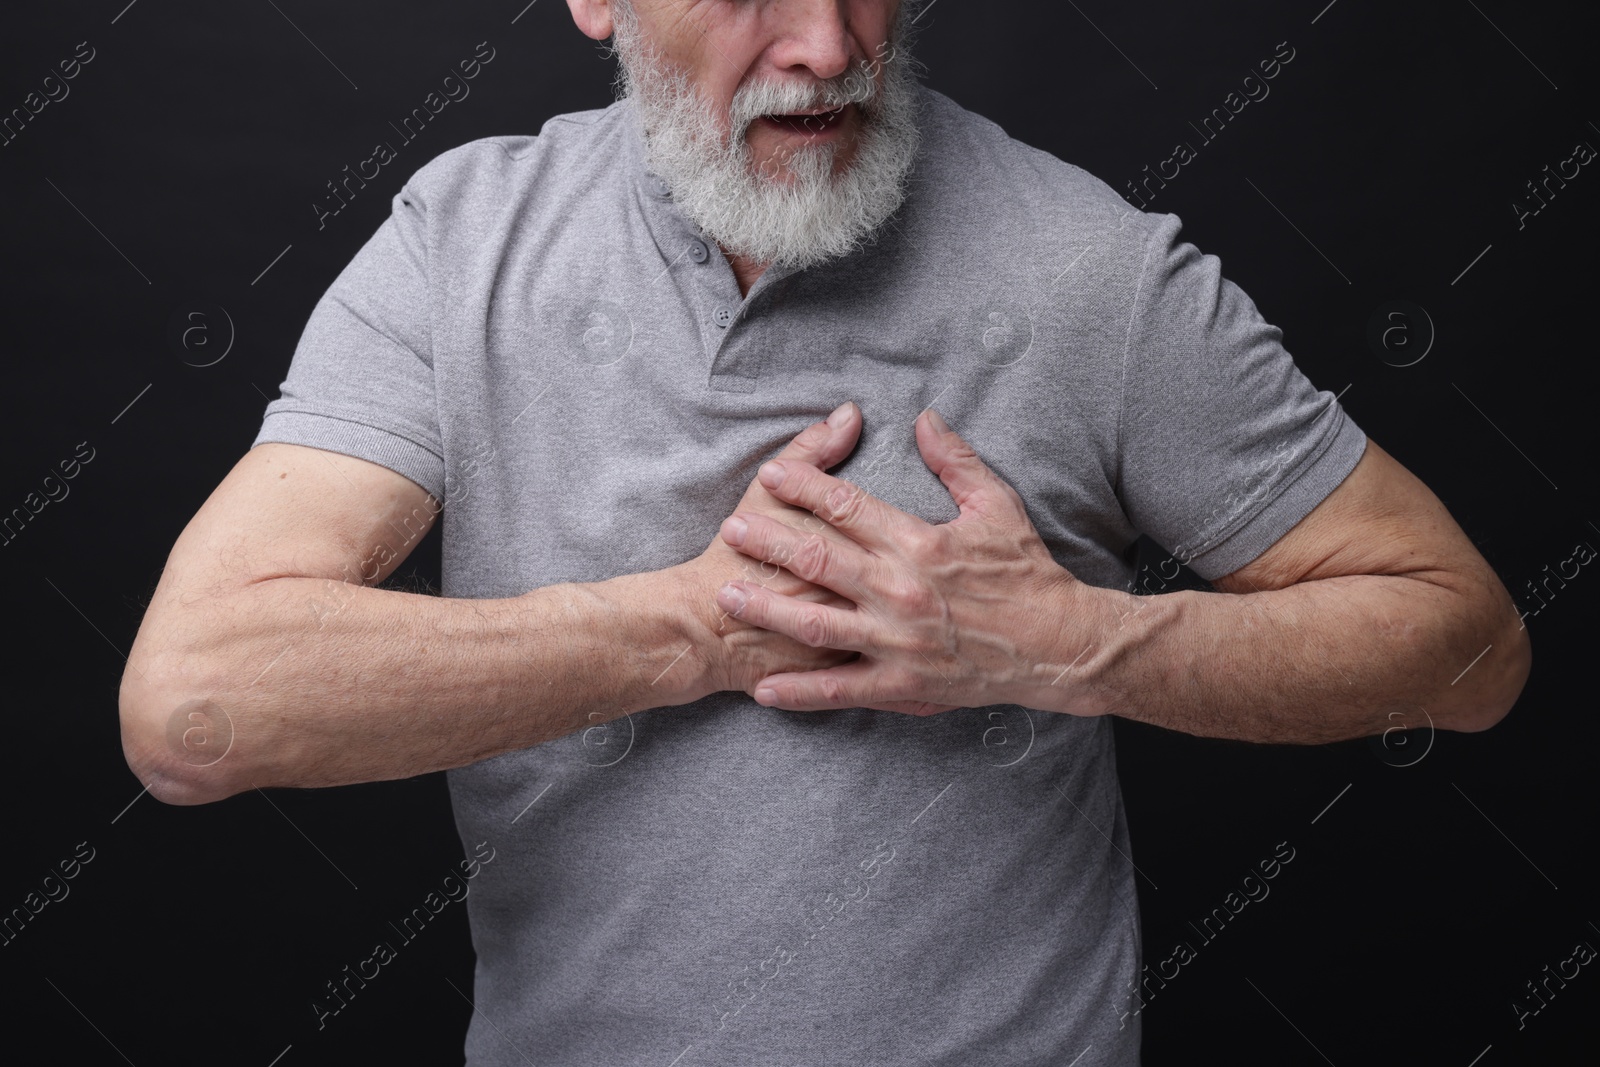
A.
pixel 734 529
pixel 771 474
pixel 732 598
pixel 836 419
pixel 766 697
pixel 937 421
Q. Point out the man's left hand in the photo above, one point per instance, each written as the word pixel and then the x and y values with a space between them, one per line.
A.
pixel 968 613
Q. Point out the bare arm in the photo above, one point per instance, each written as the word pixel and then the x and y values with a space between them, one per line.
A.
pixel 1374 611
pixel 266 640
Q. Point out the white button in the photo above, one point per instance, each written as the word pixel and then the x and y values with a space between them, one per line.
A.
pixel 722 317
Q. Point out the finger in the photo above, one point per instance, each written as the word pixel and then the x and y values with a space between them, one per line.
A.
pixel 848 508
pixel 816 625
pixel 831 562
pixel 975 488
pixel 851 685
pixel 826 444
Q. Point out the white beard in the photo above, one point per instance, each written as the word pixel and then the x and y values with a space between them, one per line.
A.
pixel 815 215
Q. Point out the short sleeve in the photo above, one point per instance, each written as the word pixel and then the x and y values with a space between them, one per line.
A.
pixel 1223 443
pixel 361 382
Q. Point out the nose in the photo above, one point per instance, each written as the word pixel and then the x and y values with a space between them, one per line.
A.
pixel 812 35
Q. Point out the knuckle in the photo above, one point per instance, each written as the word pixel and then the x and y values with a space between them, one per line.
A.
pixel 963 452
pixel 805 443
pixel 812 560
pixel 841 502
pixel 930 644
pixel 813 627
pixel 914 598
pixel 832 690
pixel 919 544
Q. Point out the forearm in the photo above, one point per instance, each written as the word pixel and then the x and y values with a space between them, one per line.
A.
pixel 324 682
pixel 1314 662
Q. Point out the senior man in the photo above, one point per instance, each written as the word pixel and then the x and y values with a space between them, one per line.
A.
pixel 832 782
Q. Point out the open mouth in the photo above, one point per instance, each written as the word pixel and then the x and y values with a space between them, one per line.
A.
pixel 812 122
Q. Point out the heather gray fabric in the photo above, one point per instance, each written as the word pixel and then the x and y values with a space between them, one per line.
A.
pixel 539 339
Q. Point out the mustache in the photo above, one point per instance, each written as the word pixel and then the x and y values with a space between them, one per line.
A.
pixel 854 86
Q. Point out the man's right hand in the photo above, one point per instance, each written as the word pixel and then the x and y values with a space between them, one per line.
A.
pixel 735 655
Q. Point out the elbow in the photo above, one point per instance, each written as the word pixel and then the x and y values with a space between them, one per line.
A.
pixel 177 743
pixel 1508 662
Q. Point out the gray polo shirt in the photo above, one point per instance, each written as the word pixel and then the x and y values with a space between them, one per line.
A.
pixel 541 340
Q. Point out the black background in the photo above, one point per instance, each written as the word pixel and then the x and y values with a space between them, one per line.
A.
pixel 187 157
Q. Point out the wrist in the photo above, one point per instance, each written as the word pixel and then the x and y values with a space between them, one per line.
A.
pixel 656 660
pixel 691 664
pixel 1085 636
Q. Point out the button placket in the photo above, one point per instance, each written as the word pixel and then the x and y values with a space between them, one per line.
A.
pixel 709 277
